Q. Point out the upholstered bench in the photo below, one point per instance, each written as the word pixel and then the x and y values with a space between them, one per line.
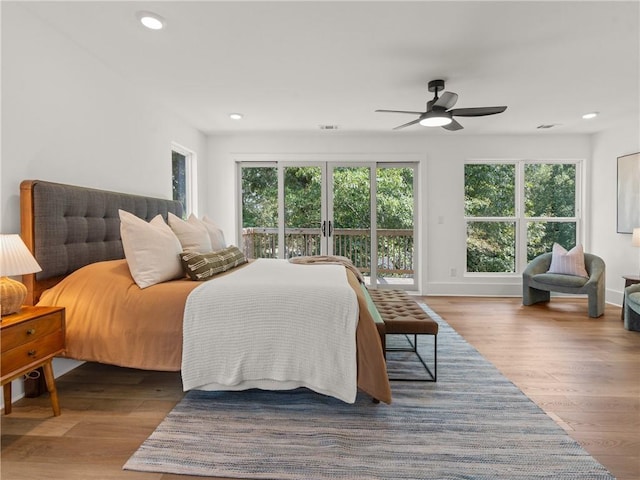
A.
pixel 402 315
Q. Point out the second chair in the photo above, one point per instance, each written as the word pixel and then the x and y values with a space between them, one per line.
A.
pixel 537 284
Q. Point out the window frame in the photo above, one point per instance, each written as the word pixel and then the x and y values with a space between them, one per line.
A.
pixel 373 161
pixel 191 178
pixel 520 220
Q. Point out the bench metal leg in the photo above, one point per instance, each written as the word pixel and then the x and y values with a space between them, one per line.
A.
pixel 433 376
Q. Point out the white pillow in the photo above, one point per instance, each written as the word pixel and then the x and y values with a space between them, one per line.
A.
pixel 193 234
pixel 215 234
pixel 568 263
pixel 152 249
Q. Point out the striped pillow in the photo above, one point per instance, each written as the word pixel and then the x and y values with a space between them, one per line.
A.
pixel 203 266
pixel 568 263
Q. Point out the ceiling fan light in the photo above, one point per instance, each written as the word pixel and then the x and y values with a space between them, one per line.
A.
pixel 435 121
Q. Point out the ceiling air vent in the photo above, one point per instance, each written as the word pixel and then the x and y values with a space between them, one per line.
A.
pixel 328 127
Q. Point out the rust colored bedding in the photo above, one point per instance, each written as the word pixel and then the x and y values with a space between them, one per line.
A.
pixel 111 320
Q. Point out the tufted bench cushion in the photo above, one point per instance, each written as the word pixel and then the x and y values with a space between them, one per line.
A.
pixel 402 315
pixel 406 317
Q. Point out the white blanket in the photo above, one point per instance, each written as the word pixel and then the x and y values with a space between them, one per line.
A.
pixel 273 325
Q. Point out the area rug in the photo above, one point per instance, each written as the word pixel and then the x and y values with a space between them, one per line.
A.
pixel 472 424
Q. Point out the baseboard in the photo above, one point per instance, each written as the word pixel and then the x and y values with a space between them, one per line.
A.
pixel 457 289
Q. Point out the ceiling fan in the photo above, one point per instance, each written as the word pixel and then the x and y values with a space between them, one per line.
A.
pixel 439 112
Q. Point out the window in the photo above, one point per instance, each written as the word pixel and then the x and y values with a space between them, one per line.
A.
pixel 259 191
pixel 183 178
pixel 365 211
pixel 514 211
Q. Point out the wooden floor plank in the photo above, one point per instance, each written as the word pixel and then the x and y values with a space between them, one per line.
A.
pixel 583 372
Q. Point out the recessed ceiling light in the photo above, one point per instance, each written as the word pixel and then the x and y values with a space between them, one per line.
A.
pixel 236 116
pixel 151 20
pixel 589 115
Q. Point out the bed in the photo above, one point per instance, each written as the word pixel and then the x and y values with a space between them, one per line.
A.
pixel 74 233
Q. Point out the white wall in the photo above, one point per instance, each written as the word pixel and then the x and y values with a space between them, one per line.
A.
pixel 442 182
pixel 67 118
pixel 621 258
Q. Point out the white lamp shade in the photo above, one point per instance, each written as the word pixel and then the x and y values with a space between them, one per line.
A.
pixel 15 257
pixel 635 239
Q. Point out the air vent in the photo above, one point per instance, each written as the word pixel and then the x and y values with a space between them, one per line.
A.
pixel 547 125
pixel 328 127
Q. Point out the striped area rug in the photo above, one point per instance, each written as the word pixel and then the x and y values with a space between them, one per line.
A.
pixel 472 424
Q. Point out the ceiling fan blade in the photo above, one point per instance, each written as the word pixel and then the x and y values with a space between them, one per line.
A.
pixel 477 111
pixel 447 100
pixel 413 122
pixel 400 111
pixel 453 126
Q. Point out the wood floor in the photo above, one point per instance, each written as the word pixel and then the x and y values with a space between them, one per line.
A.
pixel 585 373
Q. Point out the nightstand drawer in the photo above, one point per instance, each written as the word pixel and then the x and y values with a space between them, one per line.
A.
pixel 31 330
pixel 21 357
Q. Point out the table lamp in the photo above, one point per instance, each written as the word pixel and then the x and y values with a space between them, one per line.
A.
pixel 15 259
pixel 635 239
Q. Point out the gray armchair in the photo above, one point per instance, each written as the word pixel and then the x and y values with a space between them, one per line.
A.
pixel 632 307
pixel 537 283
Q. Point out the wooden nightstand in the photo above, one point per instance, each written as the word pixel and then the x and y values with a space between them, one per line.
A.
pixel 30 339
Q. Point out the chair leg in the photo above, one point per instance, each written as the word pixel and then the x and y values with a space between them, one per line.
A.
pixel 596 305
pixel 532 295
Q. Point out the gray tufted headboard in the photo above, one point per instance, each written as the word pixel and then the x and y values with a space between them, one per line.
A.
pixel 67 227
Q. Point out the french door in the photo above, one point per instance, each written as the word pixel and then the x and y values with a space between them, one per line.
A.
pixel 363 211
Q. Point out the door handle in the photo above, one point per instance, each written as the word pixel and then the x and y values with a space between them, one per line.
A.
pixel 324 228
pixel 330 228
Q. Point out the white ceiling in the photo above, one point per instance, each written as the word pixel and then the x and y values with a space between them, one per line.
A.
pixel 292 66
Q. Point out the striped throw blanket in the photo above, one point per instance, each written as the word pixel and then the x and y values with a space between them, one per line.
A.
pixel 328 260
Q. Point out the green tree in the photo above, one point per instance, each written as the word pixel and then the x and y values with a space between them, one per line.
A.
pixel 351 206
pixel 395 198
pixel 302 192
pixel 259 197
pixel 550 191
pixel 179 180
pixel 490 192
pixel 351 197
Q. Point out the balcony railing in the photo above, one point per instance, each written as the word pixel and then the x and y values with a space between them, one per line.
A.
pixel 394 256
